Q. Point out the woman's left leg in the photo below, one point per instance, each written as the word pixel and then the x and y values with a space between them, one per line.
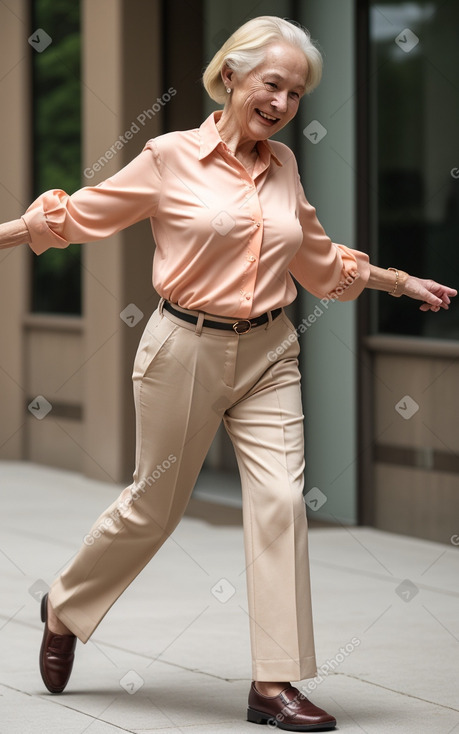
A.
pixel 266 428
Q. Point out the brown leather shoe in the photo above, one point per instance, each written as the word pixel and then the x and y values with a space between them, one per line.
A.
pixel 56 655
pixel 290 710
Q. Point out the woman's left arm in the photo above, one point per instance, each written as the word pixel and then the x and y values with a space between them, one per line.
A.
pixel 335 271
pixel 398 283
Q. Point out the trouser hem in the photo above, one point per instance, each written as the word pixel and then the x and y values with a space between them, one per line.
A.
pixel 284 670
pixel 83 627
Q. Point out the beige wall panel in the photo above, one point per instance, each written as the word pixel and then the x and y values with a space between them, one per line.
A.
pixel 14 197
pixel 414 502
pixel 54 360
pixel 100 363
pixel 432 384
pixel 13 269
pixel 55 442
pixel 103 415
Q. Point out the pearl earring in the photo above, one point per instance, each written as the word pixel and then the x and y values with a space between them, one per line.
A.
pixel 228 89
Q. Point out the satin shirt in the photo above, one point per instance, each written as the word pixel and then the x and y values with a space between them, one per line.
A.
pixel 227 242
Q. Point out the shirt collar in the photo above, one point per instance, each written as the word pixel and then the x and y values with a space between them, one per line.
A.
pixel 210 139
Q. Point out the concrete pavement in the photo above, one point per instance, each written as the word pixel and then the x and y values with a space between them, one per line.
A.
pixel 173 654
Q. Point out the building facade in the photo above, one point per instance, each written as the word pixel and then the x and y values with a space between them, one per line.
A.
pixel 377 151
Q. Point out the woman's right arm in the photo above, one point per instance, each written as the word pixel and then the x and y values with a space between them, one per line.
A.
pixel 13 233
pixel 56 218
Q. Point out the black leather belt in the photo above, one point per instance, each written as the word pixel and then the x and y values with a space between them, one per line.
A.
pixel 242 326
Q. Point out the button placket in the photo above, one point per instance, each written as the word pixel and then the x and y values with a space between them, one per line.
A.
pixel 250 202
pixel 254 250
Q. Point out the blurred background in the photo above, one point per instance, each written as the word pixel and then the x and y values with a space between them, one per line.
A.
pixel 85 84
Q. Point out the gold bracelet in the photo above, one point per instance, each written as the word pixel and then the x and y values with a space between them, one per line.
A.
pixel 397 276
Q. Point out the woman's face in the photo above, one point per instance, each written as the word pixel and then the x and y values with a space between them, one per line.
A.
pixel 266 99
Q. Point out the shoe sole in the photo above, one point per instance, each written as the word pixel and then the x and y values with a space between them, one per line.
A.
pixel 258 717
pixel 44 608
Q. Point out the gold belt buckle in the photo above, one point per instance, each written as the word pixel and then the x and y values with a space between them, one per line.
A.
pixel 243 326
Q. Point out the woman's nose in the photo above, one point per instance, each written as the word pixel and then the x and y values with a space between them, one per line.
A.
pixel 280 101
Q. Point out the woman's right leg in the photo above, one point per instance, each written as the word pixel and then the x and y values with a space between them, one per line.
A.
pixel 175 387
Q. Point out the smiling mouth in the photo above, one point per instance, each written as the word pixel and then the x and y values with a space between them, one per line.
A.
pixel 268 118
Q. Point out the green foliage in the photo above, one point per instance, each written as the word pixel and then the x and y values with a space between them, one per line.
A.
pixel 57 144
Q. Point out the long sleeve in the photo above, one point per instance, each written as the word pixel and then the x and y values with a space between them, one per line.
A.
pixel 56 219
pixel 13 233
pixel 324 268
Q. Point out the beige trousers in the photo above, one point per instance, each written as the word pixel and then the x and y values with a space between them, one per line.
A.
pixel 187 379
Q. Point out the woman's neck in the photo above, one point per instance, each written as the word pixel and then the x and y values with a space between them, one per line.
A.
pixel 242 147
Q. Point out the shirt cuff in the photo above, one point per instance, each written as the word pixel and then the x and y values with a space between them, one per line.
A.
pixel 42 237
pixel 355 275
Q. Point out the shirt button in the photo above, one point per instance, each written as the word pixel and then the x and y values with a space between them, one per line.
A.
pixel 248 296
pixel 257 224
pixel 251 258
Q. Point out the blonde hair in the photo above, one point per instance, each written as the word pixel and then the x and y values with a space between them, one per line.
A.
pixel 246 48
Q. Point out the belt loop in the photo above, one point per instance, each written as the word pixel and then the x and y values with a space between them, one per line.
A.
pixel 199 323
pixel 270 319
pixel 161 305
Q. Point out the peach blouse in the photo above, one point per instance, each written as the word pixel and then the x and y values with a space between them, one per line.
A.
pixel 226 242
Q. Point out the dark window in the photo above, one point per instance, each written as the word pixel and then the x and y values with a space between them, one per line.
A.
pixel 414 158
pixel 56 74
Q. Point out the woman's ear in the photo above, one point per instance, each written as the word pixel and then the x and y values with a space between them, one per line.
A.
pixel 226 74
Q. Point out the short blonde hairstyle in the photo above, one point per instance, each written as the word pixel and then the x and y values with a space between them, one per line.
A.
pixel 246 48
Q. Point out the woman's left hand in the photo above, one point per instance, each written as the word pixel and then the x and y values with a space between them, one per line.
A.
pixel 434 295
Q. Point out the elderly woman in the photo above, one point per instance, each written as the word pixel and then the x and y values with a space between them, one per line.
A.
pixel 231 225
